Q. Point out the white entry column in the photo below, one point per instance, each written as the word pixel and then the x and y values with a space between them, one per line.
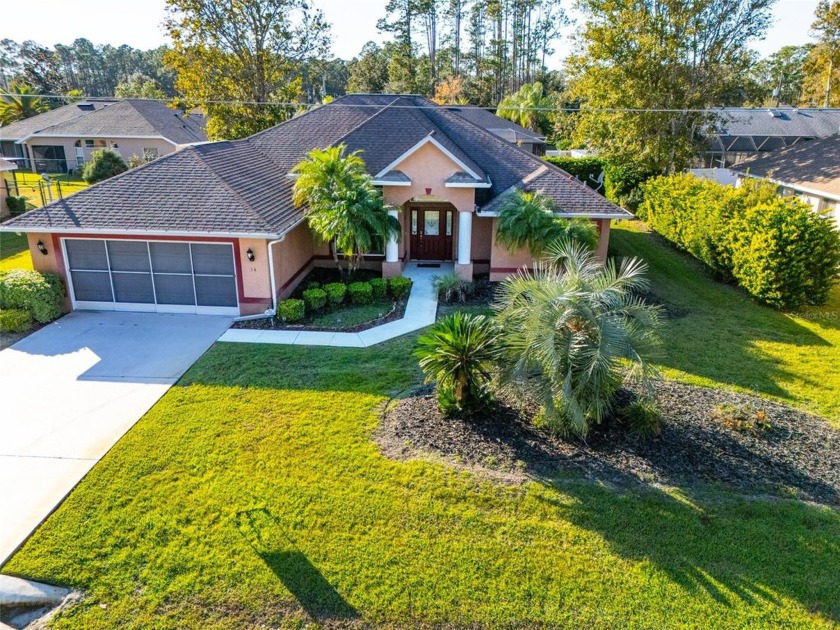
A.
pixel 392 252
pixel 464 266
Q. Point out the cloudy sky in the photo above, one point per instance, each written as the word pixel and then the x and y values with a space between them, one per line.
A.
pixel 138 23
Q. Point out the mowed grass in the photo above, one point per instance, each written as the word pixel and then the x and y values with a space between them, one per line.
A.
pixel 14 252
pixel 253 494
pixel 726 339
pixel 30 185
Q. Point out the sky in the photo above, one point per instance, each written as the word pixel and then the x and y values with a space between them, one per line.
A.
pixel 138 23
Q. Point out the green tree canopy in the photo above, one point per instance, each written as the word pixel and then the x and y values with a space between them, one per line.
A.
pixel 249 52
pixel 826 27
pixel 20 103
pixel 530 107
pixel 103 165
pixel 139 86
pixel 341 203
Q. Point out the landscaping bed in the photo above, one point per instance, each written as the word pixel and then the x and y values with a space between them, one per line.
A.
pixel 798 456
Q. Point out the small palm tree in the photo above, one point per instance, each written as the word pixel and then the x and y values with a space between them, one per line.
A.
pixel 343 207
pixel 459 354
pixel 528 220
pixel 568 331
pixel 20 102
pixel 529 107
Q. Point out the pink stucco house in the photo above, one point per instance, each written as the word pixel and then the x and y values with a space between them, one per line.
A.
pixel 212 228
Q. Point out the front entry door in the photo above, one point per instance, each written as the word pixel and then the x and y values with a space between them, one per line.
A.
pixel 431 233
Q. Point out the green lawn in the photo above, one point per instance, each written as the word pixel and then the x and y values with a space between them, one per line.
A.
pixel 350 316
pixel 29 186
pixel 14 252
pixel 727 339
pixel 253 494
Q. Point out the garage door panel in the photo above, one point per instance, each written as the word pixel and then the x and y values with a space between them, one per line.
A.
pixel 92 286
pixel 86 254
pixel 215 291
pixel 174 289
pixel 170 257
pixel 133 288
pixel 212 259
pixel 129 255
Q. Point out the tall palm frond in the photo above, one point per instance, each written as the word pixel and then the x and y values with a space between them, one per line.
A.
pixel 20 102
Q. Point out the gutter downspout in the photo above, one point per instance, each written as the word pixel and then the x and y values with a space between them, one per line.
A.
pixel 270 247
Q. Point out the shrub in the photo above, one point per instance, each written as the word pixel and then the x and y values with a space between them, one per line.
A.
pixel 643 418
pixel 458 354
pixel 451 287
pixel 400 286
pixel 587 169
pixel 103 165
pixel 315 299
pixel 335 292
pixel 379 287
pixel 572 332
pixel 15 320
pixel 16 205
pixel 312 284
pixel 360 293
pixel 742 418
pixel 622 184
pixel 775 247
pixel 40 294
pixel 291 310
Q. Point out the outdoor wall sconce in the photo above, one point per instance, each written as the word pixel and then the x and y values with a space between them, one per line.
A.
pixel 250 254
pixel 42 248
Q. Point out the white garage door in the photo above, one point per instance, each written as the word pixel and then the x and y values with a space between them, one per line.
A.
pixel 161 276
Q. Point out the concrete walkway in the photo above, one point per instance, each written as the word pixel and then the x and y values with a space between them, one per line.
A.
pixel 419 313
pixel 71 390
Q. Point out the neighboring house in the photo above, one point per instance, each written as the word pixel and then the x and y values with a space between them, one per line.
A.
pixel 810 170
pixel 505 129
pixel 212 228
pixel 741 133
pixel 62 140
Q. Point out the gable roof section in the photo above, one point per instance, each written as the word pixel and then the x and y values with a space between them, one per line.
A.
pixel 242 187
pixel 132 117
pixel 814 165
pixel 27 126
pixel 505 129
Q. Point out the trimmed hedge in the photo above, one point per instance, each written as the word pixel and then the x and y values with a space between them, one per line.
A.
pixel 621 183
pixel 15 320
pixel 777 248
pixel 379 287
pixel 586 169
pixel 42 295
pixel 360 293
pixel 400 286
pixel 315 299
pixel 16 205
pixel 336 291
pixel 291 310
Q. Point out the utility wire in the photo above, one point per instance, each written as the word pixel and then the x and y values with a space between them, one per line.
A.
pixel 338 103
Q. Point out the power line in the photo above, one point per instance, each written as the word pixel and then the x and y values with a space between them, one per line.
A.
pixel 338 103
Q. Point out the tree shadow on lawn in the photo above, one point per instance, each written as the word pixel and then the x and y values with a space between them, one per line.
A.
pixel 719 325
pixel 305 582
pixel 732 549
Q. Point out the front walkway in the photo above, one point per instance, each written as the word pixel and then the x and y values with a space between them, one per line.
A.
pixel 420 312
pixel 71 390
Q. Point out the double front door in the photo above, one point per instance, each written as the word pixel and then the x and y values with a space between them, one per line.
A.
pixel 431 232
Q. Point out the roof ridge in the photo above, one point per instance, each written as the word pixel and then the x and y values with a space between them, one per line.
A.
pixel 246 204
pixel 364 122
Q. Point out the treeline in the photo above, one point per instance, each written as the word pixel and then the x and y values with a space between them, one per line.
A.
pixel 463 50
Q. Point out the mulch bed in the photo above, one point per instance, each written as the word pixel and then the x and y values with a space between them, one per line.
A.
pixel 799 456
pixel 397 309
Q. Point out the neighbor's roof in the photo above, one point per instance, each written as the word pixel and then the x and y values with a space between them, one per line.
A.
pixel 6 165
pixel 813 165
pixel 746 130
pixel 112 119
pixel 242 187
pixel 505 129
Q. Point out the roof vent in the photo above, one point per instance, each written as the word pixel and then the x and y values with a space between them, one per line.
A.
pixel 85 107
pixel 774 113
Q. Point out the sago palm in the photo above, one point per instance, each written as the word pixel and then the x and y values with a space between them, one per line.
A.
pixel 20 102
pixel 572 331
pixel 343 207
pixel 527 219
pixel 459 355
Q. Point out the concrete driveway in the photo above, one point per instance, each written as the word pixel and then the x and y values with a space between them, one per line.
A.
pixel 69 391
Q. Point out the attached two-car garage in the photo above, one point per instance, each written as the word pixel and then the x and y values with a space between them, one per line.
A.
pixel 156 276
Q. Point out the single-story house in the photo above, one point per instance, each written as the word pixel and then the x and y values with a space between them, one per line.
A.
pixel 212 228
pixel 62 139
pixel 740 133
pixel 505 129
pixel 810 170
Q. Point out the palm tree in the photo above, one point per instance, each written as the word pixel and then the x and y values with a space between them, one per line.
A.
pixel 569 329
pixel 528 220
pixel 343 207
pixel 529 107
pixel 20 102
pixel 459 354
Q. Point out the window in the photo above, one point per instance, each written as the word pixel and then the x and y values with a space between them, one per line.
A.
pixel 150 153
pixel 95 144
